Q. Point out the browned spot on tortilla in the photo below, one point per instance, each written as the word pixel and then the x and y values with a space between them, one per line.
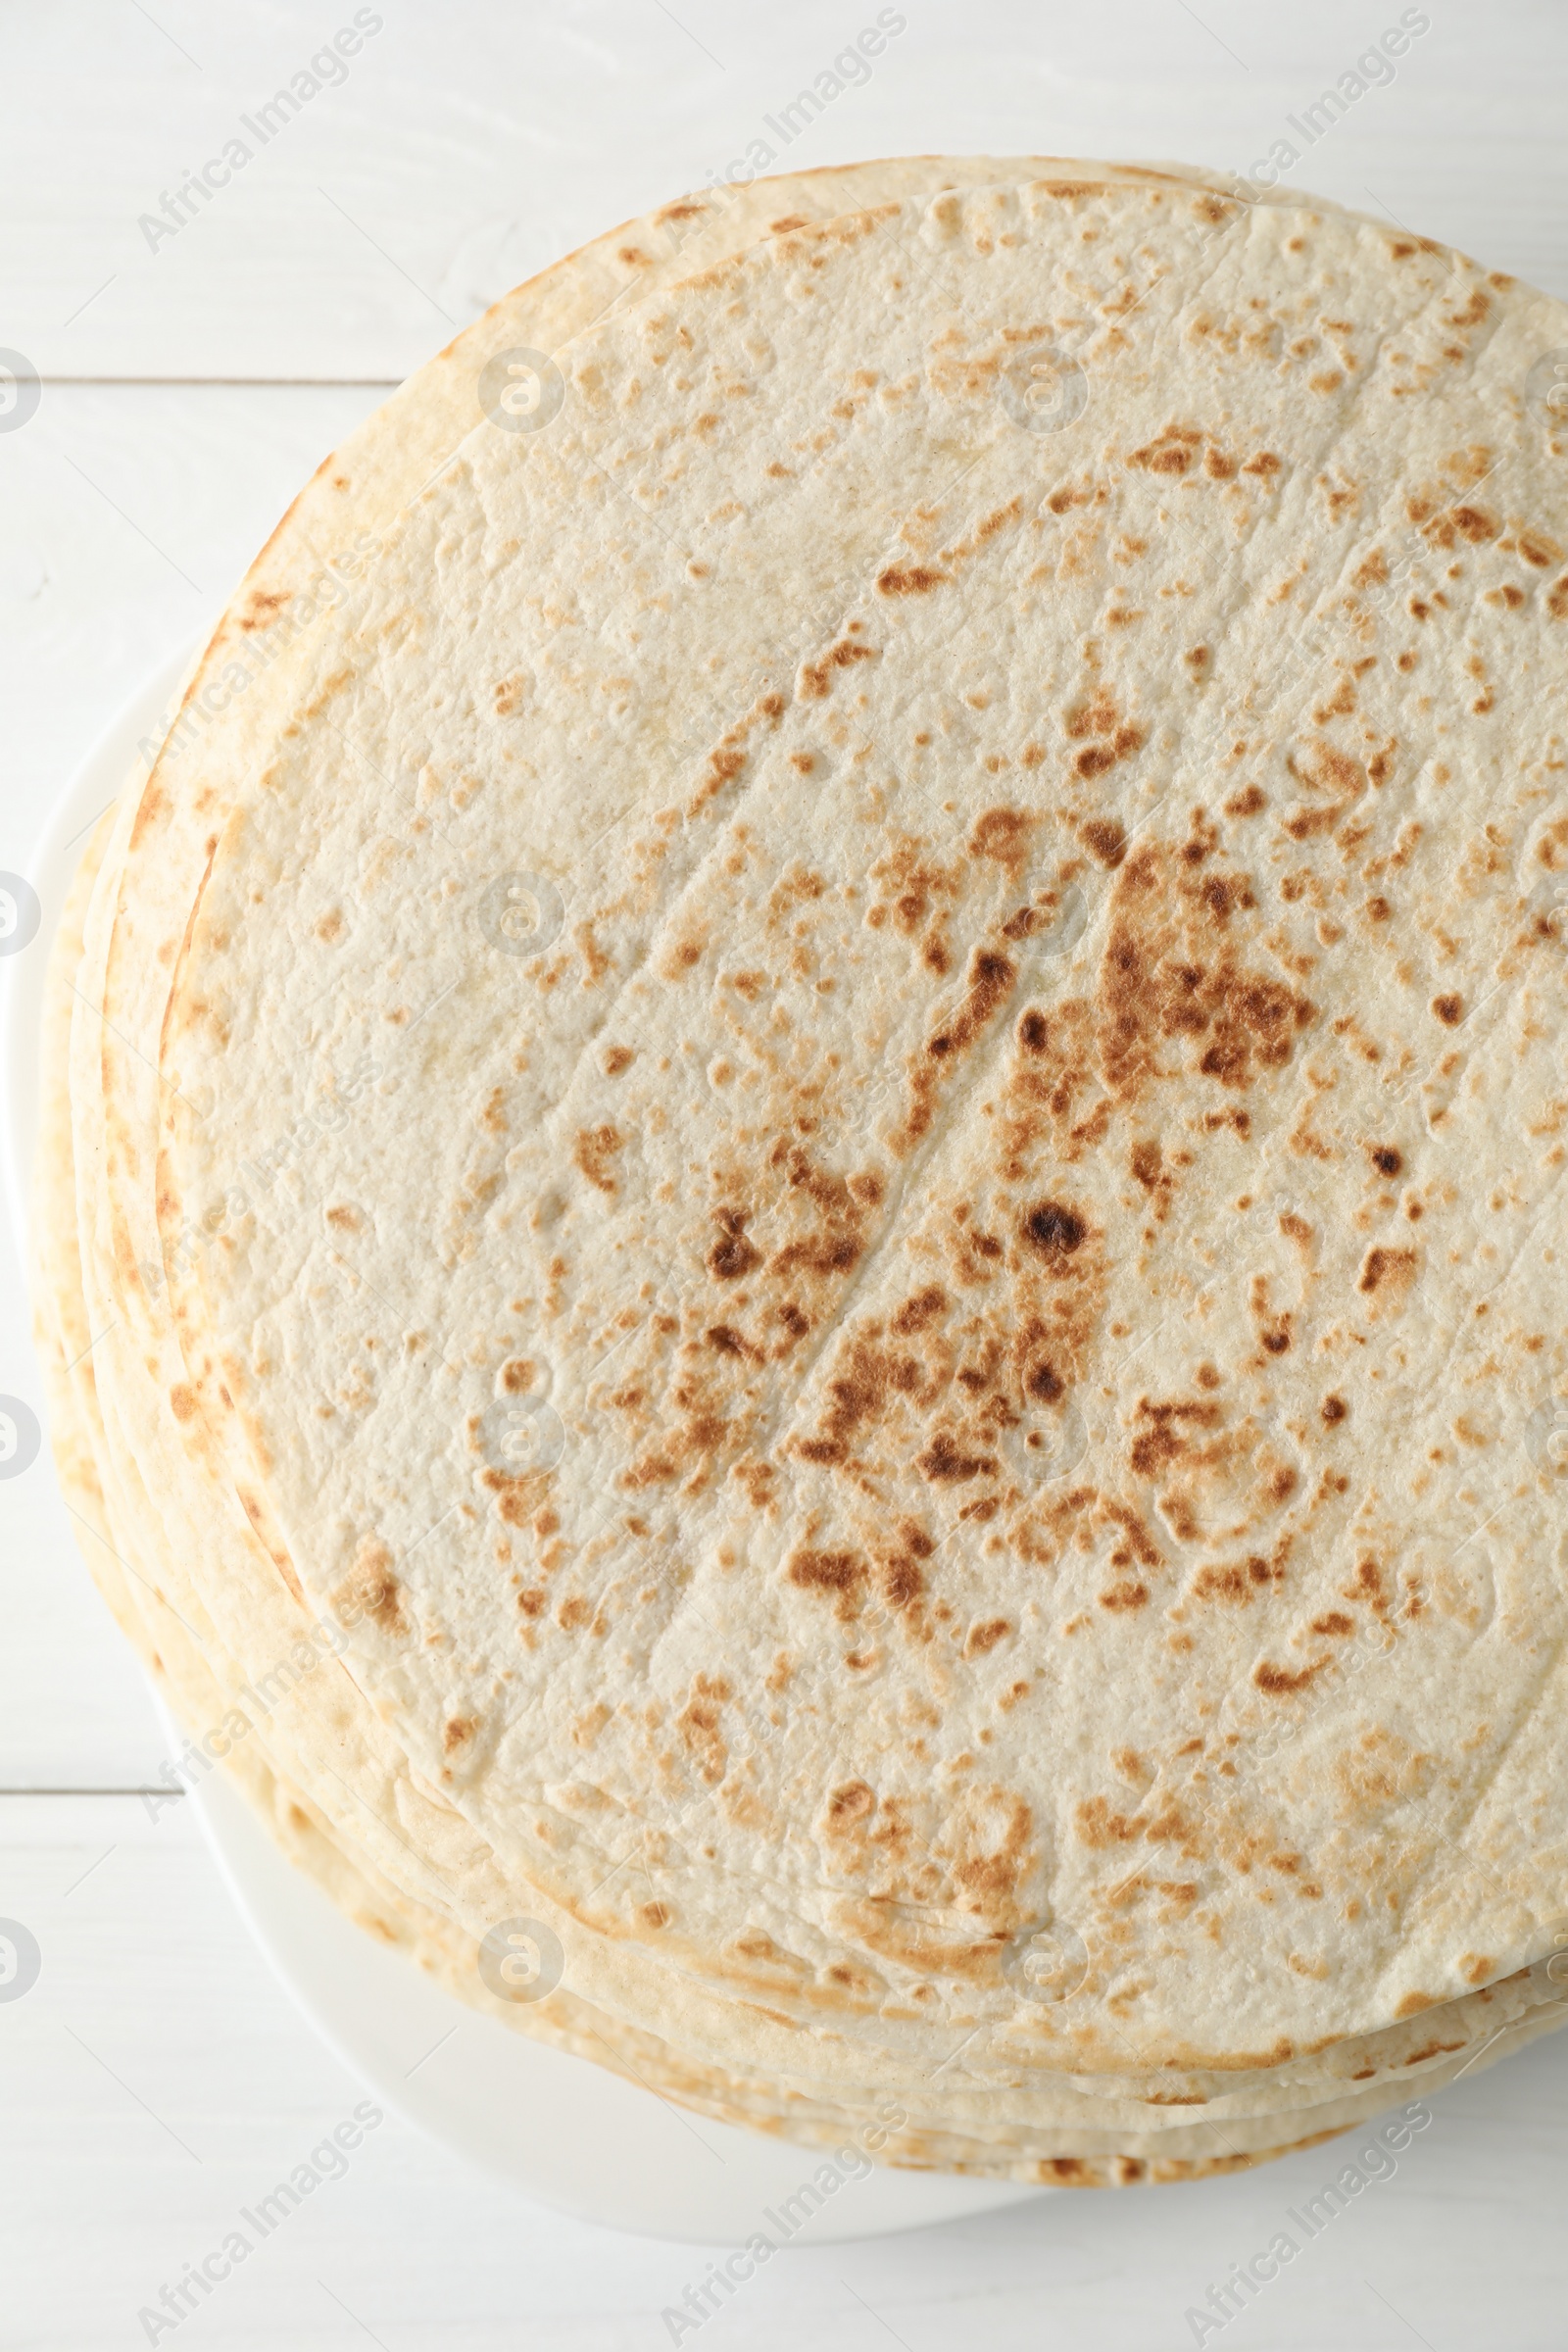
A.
pixel 1173 451
pixel 593 1151
pixel 1277 1679
pixel 1001 834
pixel 1112 738
pixel 1098 1827
pixel 909 579
pixel 1448 1010
pixel 1396 1267
pixel 732 1256
pixel 840 1573
pixel 1108 838
pixel 370 1589
pixel 1473 523
pixel 1368 1587
pixel 985 1636
pixel 725 765
pixel 991 980
pixel 920 1310
pixel 457 1732
pixel 902 1578
pixel 513 1503
pixel 1053 1230
pixel 698 1725
pixel 1098 759
pixel 852 1801
pixel 1333 773
pixel 263 606
pixel 816 678
pixel 1146 1160
pixel 1169 972
pixel 990 976
pixel 947 1464
pixel 1164 1440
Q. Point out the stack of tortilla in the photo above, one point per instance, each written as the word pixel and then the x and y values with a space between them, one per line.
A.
pixel 799 1220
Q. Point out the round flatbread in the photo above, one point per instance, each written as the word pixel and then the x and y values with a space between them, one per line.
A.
pixel 822 1164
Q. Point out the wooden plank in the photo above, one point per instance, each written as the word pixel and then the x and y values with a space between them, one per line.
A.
pixel 468 146
pixel 75 1710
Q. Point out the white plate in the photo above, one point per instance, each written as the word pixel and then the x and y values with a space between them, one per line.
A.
pixel 570 2134
pixel 96 783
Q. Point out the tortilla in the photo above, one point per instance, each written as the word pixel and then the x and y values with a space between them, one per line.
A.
pixel 1008 914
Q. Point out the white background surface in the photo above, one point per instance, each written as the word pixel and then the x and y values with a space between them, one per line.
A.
pixel 156 2080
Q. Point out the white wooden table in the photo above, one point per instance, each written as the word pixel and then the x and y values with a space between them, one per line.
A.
pixel 154 2080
